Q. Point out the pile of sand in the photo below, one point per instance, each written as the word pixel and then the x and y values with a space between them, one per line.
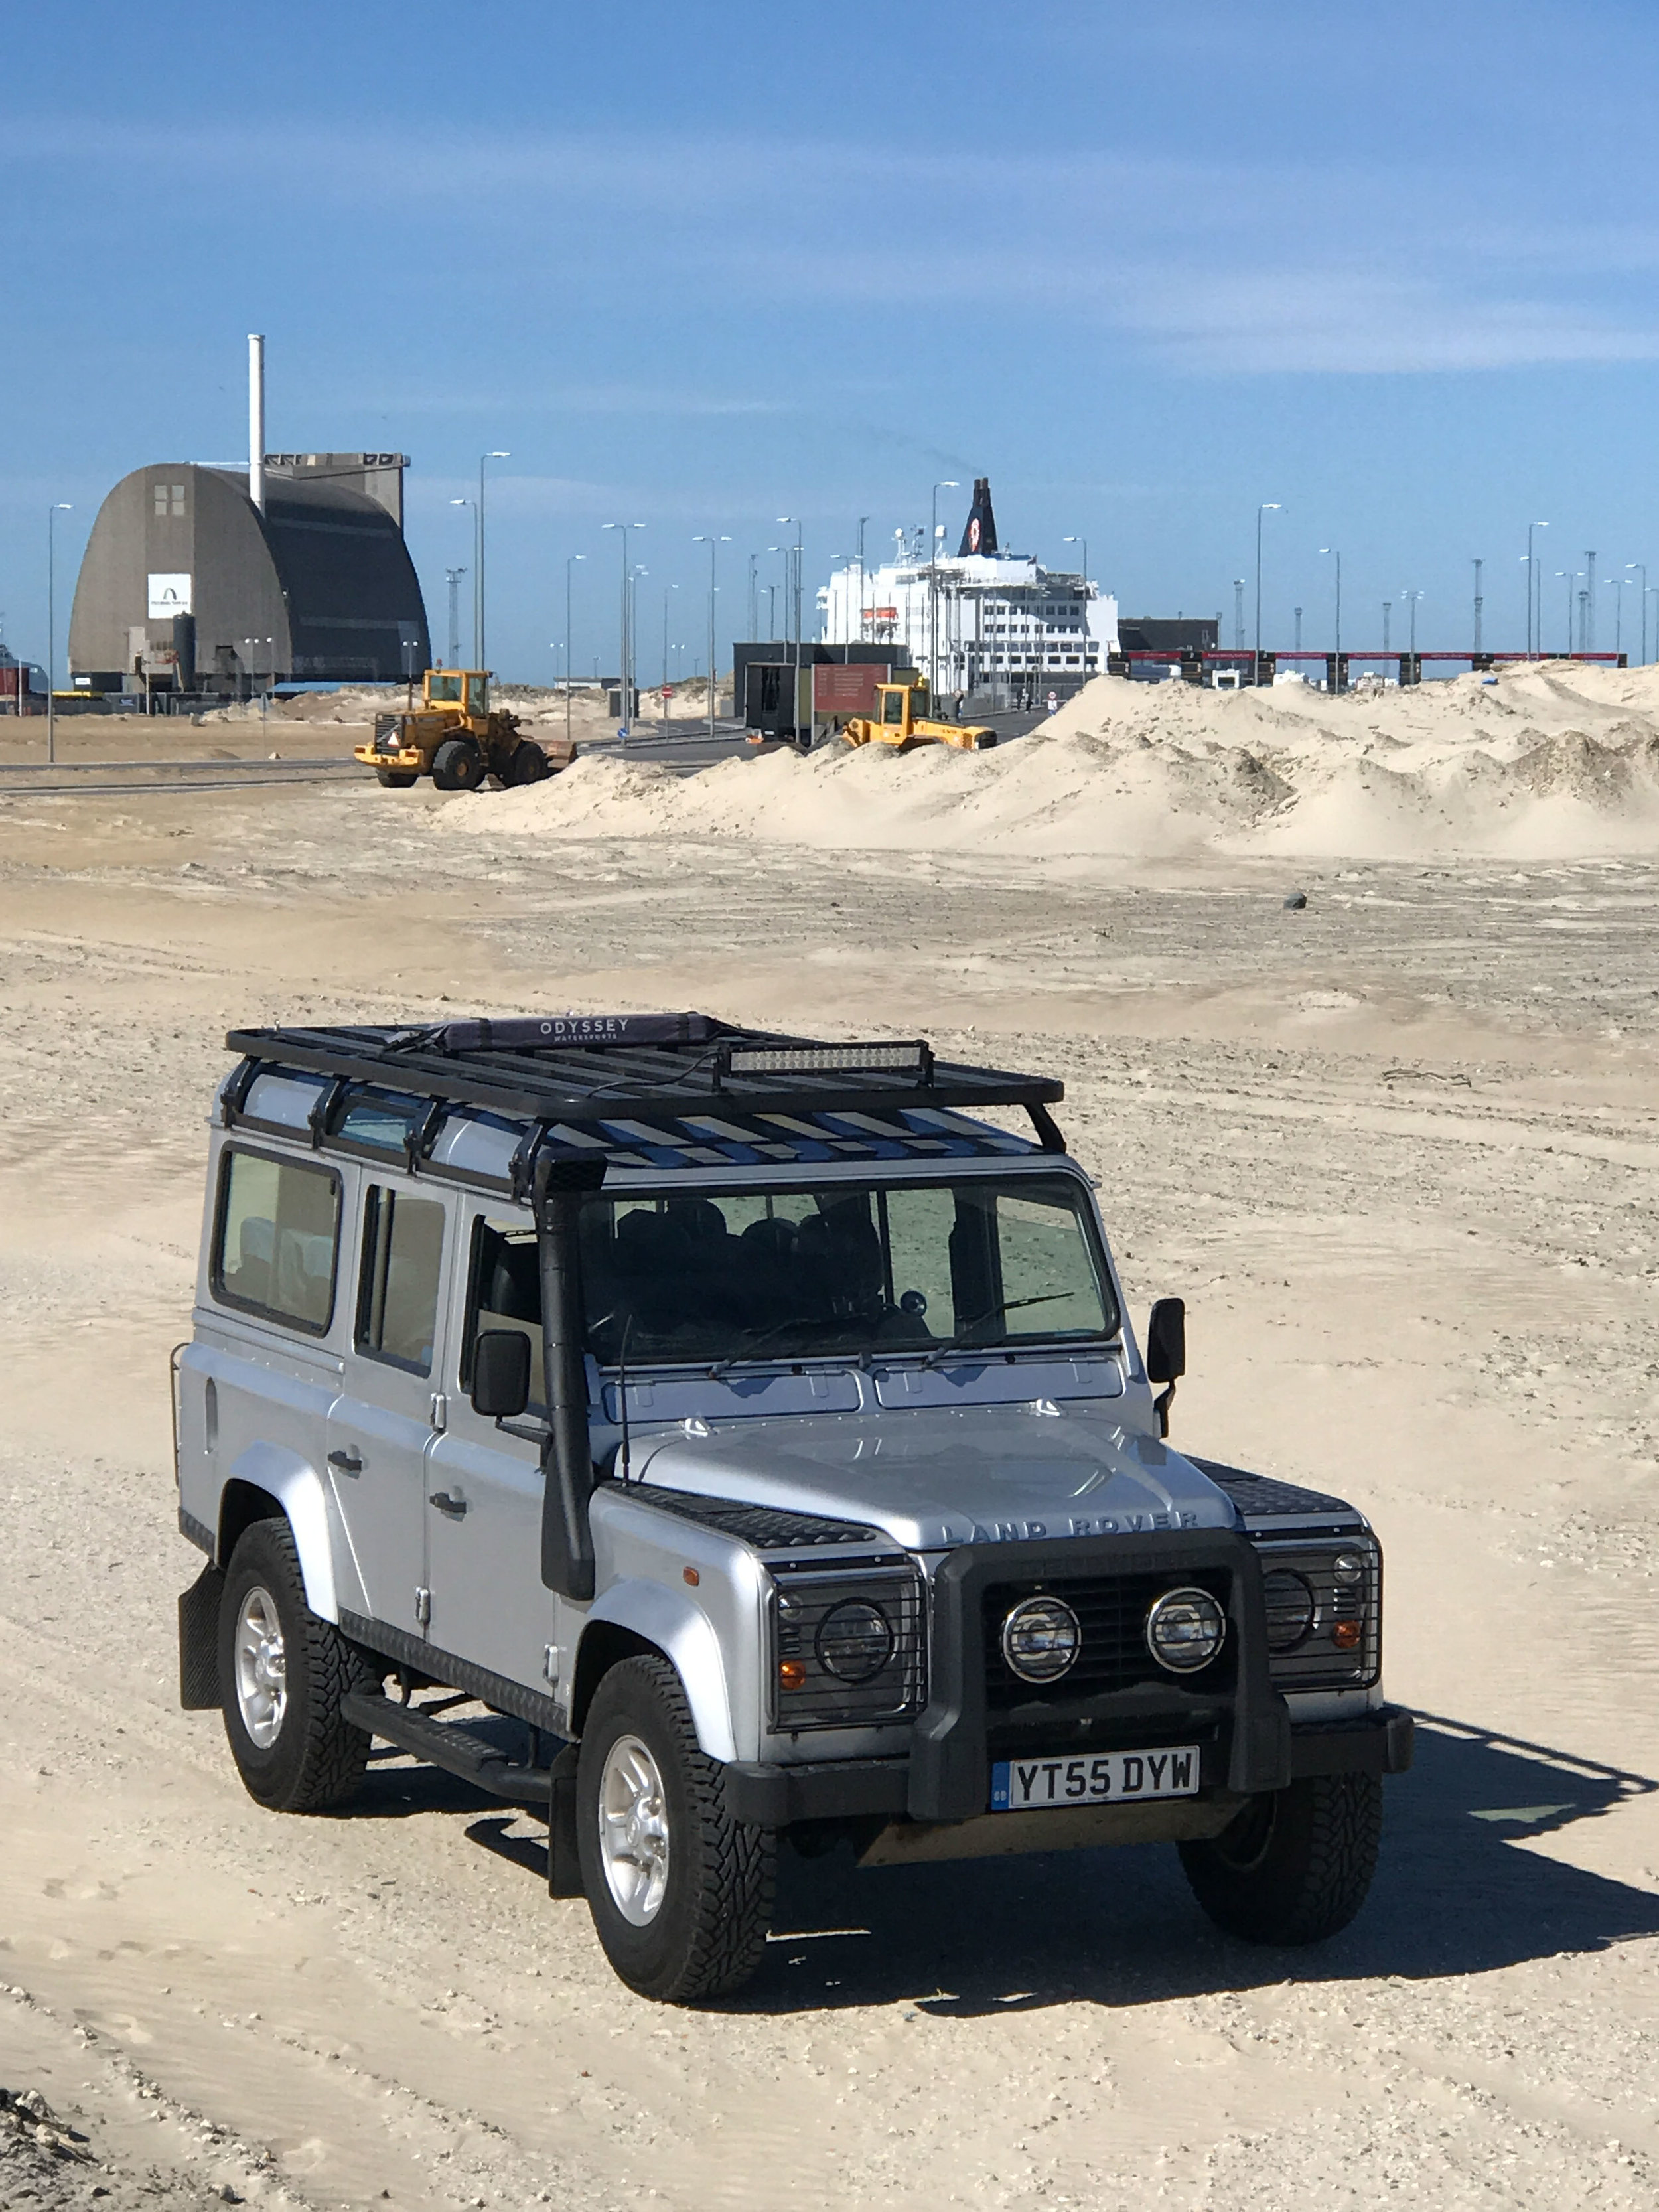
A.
pixel 1540 765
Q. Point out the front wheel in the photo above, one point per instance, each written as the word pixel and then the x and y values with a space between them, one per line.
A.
pixel 681 1896
pixel 459 764
pixel 529 764
pixel 284 1674
pixel 1296 1865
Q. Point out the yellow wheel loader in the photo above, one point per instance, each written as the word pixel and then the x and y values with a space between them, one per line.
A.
pixel 897 721
pixel 457 738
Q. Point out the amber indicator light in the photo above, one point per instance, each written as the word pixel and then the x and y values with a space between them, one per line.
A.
pixel 1345 1634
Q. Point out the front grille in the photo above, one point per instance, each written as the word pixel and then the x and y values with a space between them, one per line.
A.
pixel 1111 1610
pixel 802 1598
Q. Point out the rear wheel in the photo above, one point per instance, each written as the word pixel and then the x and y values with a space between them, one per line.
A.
pixel 681 1896
pixel 396 779
pixel 1296 1865
pixel 283 1674
pixel 459 764
pixel 529 764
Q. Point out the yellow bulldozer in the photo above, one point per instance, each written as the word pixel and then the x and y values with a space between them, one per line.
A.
pixel 899 719
pixel 455 737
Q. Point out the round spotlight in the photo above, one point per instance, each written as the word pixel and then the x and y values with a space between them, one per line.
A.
pixel 854 1641
pixel 1290 1604
pixel 1041 1638
pixel 1349 1569
pixel 1185 1629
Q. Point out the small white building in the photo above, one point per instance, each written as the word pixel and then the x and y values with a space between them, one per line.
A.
pixel 981 620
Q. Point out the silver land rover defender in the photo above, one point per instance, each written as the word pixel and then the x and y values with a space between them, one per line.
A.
pixel 742 1443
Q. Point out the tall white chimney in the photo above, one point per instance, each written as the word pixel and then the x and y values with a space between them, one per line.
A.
pixel 256 420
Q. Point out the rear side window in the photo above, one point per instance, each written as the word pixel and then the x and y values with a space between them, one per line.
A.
pixel 277 1243
pixel 402 1270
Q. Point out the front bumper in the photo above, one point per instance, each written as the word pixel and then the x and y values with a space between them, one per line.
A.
pixel 407 760
pixel 760 1795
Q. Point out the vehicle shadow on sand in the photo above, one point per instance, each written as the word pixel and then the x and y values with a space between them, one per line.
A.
pixel 1457 1892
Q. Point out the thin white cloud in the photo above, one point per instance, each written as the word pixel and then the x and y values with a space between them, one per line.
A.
pixel 1210 268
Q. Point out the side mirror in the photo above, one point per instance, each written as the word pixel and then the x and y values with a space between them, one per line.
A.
pixel 1166 1354
pixel 1166 1341
pixel 500 1374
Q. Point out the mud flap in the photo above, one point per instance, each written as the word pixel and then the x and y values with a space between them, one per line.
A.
pixel 198 1642
pixel 564 1875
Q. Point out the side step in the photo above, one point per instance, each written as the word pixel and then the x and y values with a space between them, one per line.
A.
pixel 455 1748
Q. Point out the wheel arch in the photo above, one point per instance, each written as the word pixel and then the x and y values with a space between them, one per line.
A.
pixel 636 1616
pixel 266 1483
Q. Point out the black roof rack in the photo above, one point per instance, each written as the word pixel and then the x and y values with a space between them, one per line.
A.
pixel 578 1068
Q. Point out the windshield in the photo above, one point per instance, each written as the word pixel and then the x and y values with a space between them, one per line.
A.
pixel 441 688
pixel 983 1264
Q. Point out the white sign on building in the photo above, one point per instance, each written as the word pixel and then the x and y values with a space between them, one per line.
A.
pixel 168 596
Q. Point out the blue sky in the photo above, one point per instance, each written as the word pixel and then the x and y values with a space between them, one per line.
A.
pixel 702 265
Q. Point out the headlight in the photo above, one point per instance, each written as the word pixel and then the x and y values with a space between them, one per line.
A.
pixel 1290 1605
pixel 846 1645
pixel 854 1641
pixel 1185 1629
pixel 1349 1569
pixel 1041 1638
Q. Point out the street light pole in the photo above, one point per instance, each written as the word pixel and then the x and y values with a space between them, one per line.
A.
pixel 794 704
pixel 63 507
pixel 944 483
pixel 625 647
pixel 1642 568
pixel 1336 684
pixel 1534 591
pixel 478 626
pixel 1388 609
pixel 1411 599
pixel 1618 583
pixel 863 518
pixel 473 504
pixel 452 578
pixel 569 662
pixel 1271 507
pixel 712 542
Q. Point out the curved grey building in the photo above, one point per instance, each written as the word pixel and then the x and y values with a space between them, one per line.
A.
pixel 186 582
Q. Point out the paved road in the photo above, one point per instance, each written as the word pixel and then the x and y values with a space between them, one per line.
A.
pixel 687 745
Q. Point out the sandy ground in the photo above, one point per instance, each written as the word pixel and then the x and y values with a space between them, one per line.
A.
pixel 1542 764
pixel 1396 1149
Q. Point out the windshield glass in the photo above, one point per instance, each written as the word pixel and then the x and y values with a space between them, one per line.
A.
pixel 983 1264
pixel 439 687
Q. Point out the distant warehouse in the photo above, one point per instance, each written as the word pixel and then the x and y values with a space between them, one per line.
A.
pixel 188 585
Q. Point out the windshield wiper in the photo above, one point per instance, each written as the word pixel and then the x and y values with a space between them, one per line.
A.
pixel 720 1368
pixel 1007 1306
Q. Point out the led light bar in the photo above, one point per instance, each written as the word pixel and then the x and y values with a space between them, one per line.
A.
pixel 913 1058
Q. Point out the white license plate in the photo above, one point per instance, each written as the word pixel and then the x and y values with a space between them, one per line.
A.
pixel 1096 1777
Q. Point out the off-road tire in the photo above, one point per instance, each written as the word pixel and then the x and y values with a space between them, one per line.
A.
pixel 397 779
pixel 317 1760
pixel 709 1933
pixel 529 764
pixel 459 764
pixel 1296 1865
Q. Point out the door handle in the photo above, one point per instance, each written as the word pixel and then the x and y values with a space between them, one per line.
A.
pixel 452 1506
pixel 347 1462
